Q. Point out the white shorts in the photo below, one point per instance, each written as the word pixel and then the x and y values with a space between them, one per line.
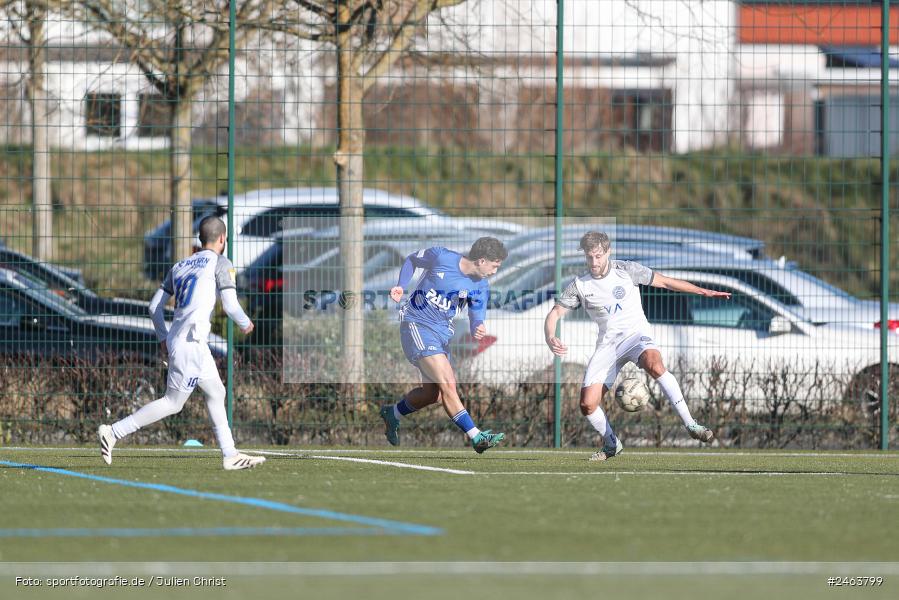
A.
pixel 190 363
pixel 608 358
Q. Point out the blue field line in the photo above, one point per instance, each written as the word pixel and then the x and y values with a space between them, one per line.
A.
pixel 135 532
pixel 394 527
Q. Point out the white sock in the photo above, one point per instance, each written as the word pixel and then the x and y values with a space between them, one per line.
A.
pixel 472 433
pixel 396 412
pixel 598 419
pixel 170 404
pixel 675 397
pixel 126 426
pixel 215 404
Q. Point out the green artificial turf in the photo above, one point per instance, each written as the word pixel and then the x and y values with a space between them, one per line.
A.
pixel 639 510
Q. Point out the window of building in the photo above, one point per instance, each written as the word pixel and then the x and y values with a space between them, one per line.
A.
pixel 643 118
pixel 103 114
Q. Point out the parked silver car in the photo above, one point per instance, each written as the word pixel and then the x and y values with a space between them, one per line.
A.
pixel 754 342
pixel 805 294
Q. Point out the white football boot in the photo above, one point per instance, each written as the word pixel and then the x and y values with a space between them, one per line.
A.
pixel 241 461
pixel 107 441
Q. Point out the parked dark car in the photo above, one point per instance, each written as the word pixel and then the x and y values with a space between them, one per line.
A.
pixel 61 284
pixel 314 274
pixel 263 282
pixel 34 320
pixel 158 241
pixel 70 272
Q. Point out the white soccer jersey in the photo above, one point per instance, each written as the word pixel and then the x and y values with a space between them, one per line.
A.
pixel 196 283
pixel 612 301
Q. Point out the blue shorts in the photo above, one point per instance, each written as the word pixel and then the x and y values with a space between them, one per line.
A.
pixel 420 341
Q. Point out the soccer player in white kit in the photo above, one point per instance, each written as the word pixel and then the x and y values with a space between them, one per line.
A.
pixel 610 294
pixel 195 283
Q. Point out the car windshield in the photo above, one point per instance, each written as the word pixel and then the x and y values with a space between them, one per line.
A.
pixel 758 279
pixel 206 206
pixel 531 287
pixel 270 259
pixel 35 274
pixel 832 289
pixel 57 303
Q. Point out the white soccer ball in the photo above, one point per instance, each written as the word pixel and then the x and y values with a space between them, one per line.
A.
pixel 632 394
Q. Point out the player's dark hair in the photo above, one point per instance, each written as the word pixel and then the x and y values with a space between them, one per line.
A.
pixel 592 239
pixel 487 247
pixel 210 229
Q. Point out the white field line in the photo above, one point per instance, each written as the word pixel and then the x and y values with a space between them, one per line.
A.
pixel 307 455
pixel 368 461
pixel 400 465
pixel 564 473
pixel 368 569
pixel 711 453
pixel 396 464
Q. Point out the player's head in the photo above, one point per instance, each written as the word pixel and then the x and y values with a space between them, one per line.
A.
pixel 212 234
pixel 487 254
pixel 596 246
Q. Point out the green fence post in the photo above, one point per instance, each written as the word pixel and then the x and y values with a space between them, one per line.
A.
pixel 232 24
pixel 560 107
pixel 885 226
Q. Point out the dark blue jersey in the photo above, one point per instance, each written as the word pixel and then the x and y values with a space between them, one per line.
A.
pixel 442 291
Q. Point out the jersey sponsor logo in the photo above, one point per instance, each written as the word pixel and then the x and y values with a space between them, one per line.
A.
pixel 196 261
pixel 463 294
pixel 612 308
pixel 618 292
pixel 438 300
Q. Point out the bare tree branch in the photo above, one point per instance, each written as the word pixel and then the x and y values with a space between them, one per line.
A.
pixel 402 37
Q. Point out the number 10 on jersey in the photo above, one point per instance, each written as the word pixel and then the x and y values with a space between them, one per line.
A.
pixel 184 290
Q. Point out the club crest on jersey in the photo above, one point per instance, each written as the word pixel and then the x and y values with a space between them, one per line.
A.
pixel 463 294
pixel 618 292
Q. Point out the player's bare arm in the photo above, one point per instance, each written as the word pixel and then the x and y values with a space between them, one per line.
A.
pixel 549 330
pixel 679 285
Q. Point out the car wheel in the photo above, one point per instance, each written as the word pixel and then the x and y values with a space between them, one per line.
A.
pixel 862 398
pixel 143 393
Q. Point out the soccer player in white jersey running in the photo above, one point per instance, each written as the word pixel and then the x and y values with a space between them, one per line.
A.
pixel 195 282
pixel 610 295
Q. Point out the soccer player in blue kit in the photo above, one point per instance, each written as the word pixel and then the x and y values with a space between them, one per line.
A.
pixel 449 283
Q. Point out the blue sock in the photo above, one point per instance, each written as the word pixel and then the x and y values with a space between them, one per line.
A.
pixel 402 408
pixel 463 421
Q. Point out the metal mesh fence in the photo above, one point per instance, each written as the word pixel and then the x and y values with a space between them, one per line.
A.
pixel 735 145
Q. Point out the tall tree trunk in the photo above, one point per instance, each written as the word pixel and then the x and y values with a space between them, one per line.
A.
pixel 350 145
pixel 42 207
pixel 182 219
